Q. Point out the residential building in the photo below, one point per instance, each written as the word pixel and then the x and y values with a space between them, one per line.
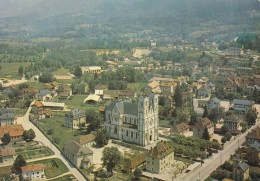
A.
pixel 134 122
pixel 81 157
pixel 135 162
pixel 118 94
pixel 86 140
pixel 7 154
pixel 6 92
pixel 180 128
pixel 159 158
pixel 91 69
pixel 233 122
pixel 99 89
pixel 253 153
pixel 204 90
pixel 7 117
pixel 28 92
pixel 44 95
pixel 242 105
pixel 240 170
pixel 65 91
pixel 253 135
pixel 15 132
pixel 34 172
pixel 213 103
pixel 75 119
pixel 201 125
pixel 52 86
pixel 211 86
pixel 153 87
pixel 167 88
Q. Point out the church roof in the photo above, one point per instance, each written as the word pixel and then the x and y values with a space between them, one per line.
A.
pixel 124 107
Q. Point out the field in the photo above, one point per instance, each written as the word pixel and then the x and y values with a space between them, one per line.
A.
pixel 11 69
pixel 64 178
pixel 61 71
pixel 138 53
pixel 103 51
pixel 60 133
pixel 43 39
pixel 50 171
pixel 202 103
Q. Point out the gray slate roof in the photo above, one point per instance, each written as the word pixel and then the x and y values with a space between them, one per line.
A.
pixel 7 110
pixel 255 145
pixel 77 113
pixel 72 147
pixel 244 166
pixel 216 100
pixel 7 90
pixel 124 107
pixel 243 102
pixel 43 92
pixel 7 116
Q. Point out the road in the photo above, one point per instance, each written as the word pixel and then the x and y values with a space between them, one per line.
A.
pixel 216 160
pixel 197 109
pixel 15 82
pixel 42 138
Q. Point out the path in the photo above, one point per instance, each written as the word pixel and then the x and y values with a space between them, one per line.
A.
pixel 62 175
pixel 15 82
pixel 42 138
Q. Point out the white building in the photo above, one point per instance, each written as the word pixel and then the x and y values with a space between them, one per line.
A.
pixel 213 103
pixel 134 123
pixel 91 69
pixel 33 172
pixel 75 119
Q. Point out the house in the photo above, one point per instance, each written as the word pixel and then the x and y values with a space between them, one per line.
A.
pixel 134 122
pixel 211 86
pixel 52 86
pixel 6 92
pixel 65 89
pixel 75 119
pixel 253 153
pixel 86 140
pixel 159 157
pixel 213 103
pixel 204 90
pixel 137 161
pixel 91 69
pixel 28 92
pixel 44 95
pixel 180 128
pixel 99 89
pixel 36 106
pixel 119 94
pixel 153 87
pixel 167 88
pixel 34 172
pixel 15 132
pixel 233 122
pixel 81 157
pixel 242 105
pixel 162 80
pixel 240 170
pixel 223 70
pixel 201 125
pixel 253 136
pixel 54 105
pixel 7 117
pixel 7 154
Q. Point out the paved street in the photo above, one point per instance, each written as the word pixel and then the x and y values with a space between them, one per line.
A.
pixel 211 164
pixel 41 137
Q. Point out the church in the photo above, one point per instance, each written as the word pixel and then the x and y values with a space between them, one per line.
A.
pixel 136 123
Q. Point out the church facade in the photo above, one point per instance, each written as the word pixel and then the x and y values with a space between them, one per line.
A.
pixel 136 123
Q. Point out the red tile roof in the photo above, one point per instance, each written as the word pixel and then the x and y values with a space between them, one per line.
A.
pixel 32 168
pixel 13 130
pixel 160 150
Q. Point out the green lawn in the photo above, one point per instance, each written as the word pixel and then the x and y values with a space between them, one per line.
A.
pixel 60 134
pixel 164 123
pixel 50 171
pixel 64 178
pixel 61 71
pixel 136 86
pixel 11 69
pixel 42 152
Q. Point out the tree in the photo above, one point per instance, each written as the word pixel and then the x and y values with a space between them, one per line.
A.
pixel 137 173
pixel 102 137
pixel 224 129
pixel 78 72
pixel 29 135
pixel 46 77
pixel 251 116
pixel 205 135
pixel 216 114
pixel 94 119
pixel 205 113
pixel 110 157
pixel 6 139
pixel 177 96
pixel 228 136
pixel 193 118
pixel 244 126
pixel 18 163
pixel 20 70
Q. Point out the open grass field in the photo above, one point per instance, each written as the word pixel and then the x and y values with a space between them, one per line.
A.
pixel 64 178
pixel 61 71
pixel 44 39
pixel 202 103
pixel 50 171
pixel 11 69
pixel 60 134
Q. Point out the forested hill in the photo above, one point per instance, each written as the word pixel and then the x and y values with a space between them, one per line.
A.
pixel 173 18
